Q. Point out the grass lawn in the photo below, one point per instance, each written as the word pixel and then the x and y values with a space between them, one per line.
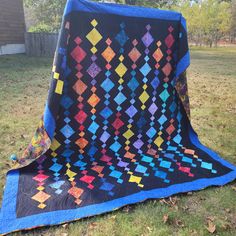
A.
pixel 212 87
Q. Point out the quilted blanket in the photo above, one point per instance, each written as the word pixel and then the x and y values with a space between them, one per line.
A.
pixel 116 126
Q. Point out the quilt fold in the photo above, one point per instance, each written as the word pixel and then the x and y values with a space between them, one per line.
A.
pixel 116 125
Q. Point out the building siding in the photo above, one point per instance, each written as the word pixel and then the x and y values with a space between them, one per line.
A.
pixel 12 23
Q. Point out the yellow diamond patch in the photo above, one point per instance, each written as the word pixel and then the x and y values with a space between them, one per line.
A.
pixel 135 179
pixel 93 50
pixel 55 145
pixel 56 75
pixel 121 69
pixel 70 173
pixel 158 141
pixel 127 142
pixel 144 86
pixel 144 97
pixel 120 81
pixel 121 58
pixel 40 188
pixel 129 126
pixel 41 205
pixel 143 107
pixel 94 23
pixel 59 87
pixel 53 154
pixel 94 36
pixel 128 134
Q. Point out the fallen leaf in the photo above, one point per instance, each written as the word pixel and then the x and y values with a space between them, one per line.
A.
pixel 227 210
pixel 163 201
pixel 234 188
pixel 211 227
pixel 113 217
pixel 169 201
pixel 194 232
pixel 64 234
pixel 179 223
pixel 149 229
pixel 93 225
pixel 173 200
pixel 65 226
pixel 210 218
pixel 127 209
pixel 165 218
pixel 185 208
pixel 227 226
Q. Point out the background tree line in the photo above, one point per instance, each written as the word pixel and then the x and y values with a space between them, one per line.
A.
pixel 209 21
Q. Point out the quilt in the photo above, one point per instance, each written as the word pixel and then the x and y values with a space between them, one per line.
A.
pixel 116 124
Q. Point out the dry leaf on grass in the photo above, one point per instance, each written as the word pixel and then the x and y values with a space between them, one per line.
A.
pixel 149 229
pixel 194 232
pixel 171 201
pixel 185 208
pixel 234 188
pixel 165 218
pixel 227 226
pixel 210 218
pixel 126 209
pixel 227 210
pixel 179 223
pixel 113 217
pixel 211 227
pixel 93 225
pixel 64 234
pixel 65 226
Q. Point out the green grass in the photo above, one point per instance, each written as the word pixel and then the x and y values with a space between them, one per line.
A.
pixel 212 88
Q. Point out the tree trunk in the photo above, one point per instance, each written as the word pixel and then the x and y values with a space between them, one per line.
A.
pixel 210 43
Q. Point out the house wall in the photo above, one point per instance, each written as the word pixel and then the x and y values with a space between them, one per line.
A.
pixel 12 27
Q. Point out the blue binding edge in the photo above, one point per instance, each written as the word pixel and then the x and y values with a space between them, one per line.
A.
pixel 10 223
pixel 49 122
pixel 120 9
pixel 184 62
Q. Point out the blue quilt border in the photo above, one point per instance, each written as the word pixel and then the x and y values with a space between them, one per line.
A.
pixel 120 9
pixel 9 222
